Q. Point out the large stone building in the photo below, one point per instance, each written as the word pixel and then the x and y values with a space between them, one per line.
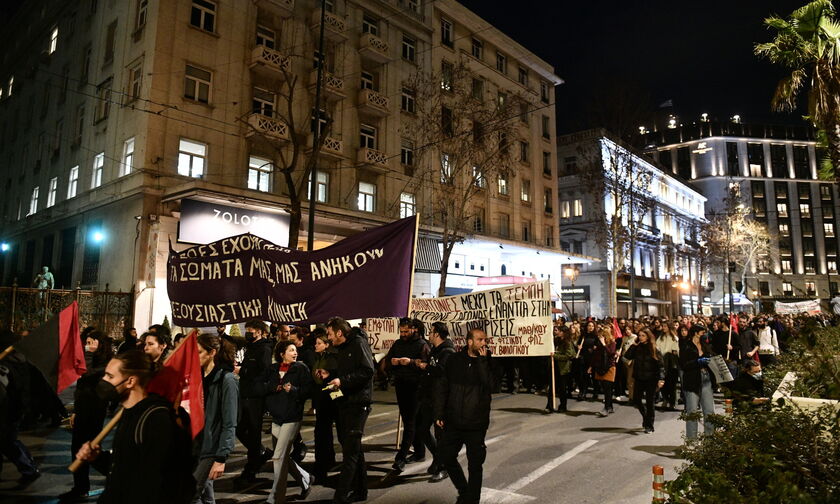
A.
pixel 664 249
pixel 774 168
pixel 114 113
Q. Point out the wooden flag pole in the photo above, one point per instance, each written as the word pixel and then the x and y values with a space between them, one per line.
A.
pixel 729 342
pixel 408 312
pixel 553 384
pixel 9 349
pixel 99 437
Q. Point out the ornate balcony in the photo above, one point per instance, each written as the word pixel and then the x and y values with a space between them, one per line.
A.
pixel 373 159
pixel 269 60
pixel 334 26
pixel 268 127
pixel 333 88
pixel 373 103
pixel 284 8
pixel 332 147
pixel 373 48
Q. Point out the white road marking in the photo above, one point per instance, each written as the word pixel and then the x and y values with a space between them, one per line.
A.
pixel 547 467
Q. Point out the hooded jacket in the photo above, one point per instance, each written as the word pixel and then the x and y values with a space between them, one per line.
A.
pixel 354 367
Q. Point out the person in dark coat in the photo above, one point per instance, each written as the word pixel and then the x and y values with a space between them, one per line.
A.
pixel 442 350
pixel 747 390
pixel 697 380
pixel 129 341
pixel 15 395
pixel 325 410
pixel 253 375
pixel 589 339
pixel 221 401
pixel 289 385
pixel 648 374
pixel 462 410
pixel 402 363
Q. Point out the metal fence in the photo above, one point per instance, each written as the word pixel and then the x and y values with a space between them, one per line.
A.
pixel 28 308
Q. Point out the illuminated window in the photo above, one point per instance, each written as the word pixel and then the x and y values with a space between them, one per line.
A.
pixel 73 182
pixel 577 208
pixel 53 41
pixel 366 200
pixel 525 190
pixel 408 205
pixel 53 191
pixel 33 201
pixel 781 209
pixel 259 174
pixel 98 168
pixel 504 184
pixel 128 157
pixel 192 157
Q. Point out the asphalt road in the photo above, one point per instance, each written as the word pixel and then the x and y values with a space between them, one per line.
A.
pixel 575 457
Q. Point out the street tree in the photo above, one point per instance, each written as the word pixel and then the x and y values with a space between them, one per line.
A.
pixel 808 44
pixel 462 137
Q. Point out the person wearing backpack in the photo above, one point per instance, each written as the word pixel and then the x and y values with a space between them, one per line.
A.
pixel 221 399
pixel 149 461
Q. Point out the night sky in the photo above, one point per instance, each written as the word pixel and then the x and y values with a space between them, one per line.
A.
pixel 697 53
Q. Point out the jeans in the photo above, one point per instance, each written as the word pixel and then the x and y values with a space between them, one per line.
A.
pixel 15 451
pixel 285 434
pixel 646 389
pixel 204 485
pixel 249 430
pixel 450 445
pixel 408 400
pixel 694 402
pixel 351 424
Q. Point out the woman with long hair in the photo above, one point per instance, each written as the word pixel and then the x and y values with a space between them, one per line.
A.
pixel 289 386
pixel 669 347
pixel 325 412
pixel 648 374
pixel 564 353
pixel 697 382
pixel 221 401
pixel 603 366
pixel 586 349
pixel 156 346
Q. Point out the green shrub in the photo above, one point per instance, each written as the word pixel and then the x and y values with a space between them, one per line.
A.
pixel 814 355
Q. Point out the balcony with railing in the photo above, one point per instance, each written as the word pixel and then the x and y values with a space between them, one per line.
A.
pixel 334 26
pixel 269 60
pixel 284 8
pixel 373 103
pixel 373 48
pixel 372 159
pixel 332 147
pixel 266 126
pixel 332 87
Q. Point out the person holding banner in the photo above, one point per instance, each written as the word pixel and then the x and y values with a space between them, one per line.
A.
pixel 253 375
pixel 352 388
pixel 144 465
pixel 462 410
pixel 564 353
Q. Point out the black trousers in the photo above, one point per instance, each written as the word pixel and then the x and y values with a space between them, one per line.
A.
pixel 249 430
pixel 325 413
pixel 669 390
pixel 86 425
pixel 561 390
pixel 353 476
pixel 423 435
pixel 450 445
pixel 408 400
pixel 646 389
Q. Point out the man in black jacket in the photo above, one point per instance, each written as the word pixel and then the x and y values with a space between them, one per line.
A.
pixel 462 410
pixel 253 375
pixel 442 350
pixel 402 363
pixel 352 385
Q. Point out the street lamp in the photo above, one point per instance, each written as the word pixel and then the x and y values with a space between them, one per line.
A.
pixel 4 247
pixel 572 273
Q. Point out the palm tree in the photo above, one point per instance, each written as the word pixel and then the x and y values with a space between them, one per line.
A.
pixel 808 44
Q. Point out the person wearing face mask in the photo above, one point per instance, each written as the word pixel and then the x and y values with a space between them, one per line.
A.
pixel 747 390
pixel 144 464
pixel 253 375
pixel 88 409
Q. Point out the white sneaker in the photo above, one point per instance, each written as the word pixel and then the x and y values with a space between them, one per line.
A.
pixel 622 398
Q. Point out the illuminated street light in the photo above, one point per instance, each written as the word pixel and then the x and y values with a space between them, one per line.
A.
pixel 97 236
pixel 4 247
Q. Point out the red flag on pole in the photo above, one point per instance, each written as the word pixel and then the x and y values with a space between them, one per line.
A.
pixel 180 382
pixel 733 322
pixel 616 330
pixel 56 349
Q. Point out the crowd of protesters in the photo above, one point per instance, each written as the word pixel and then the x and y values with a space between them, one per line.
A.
pixel 443 394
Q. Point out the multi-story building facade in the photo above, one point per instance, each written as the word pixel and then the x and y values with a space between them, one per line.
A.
pixel 115 113
pixel 663 255
pixel 774 169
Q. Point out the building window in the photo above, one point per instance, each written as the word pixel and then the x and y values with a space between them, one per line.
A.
pixel 778 161
pixel 479 179
pixel 407 152
pixel 53 191
pixel 478 89
pixel 53 41
pixel 259 174
pixel 135 81
pixel 504 184
pixel 828 229
pixel 367 136
pixel 323 189
pixel 263 102
pixel 203 15
pixel 577 208
pixel 478 223
pixel 781 209
pixel 477 48
pixel 524 148
pixel 787 267
pixel 832 267
pixel 764 288
pixel 110 42
pixel 787 289
pixel 526 231
pixel 523 76
pixel 445 168
pixel 784 229
pixel 544 92
pixel 810 288
pixel 446 33
pixel 197 84
pixel 805 210
pixel 565 209
pixel 732 163
pixel 98 168
pixel 408 103
pixel 549 236
pixel 370 25
pixel 265 37
pixel 570 165
pixel 73 182
pixel 504 225
pixel 142 14
pixel 447 72
pixel 367 197
pixel 103 102
pixel 801 162
pixel 87 57
pixel 128 157
pixel 447 122
pixel 501 62
pixel 546 163
pixel 546 127
pixel 807 228
pixel 409 49
pixel 525 190
pixel 408 206
pixel 33 201
pixel 548 199
pixel 368 80
pixel 192 157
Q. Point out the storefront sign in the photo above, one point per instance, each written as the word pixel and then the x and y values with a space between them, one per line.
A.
pixel 203 222
pixel 576 293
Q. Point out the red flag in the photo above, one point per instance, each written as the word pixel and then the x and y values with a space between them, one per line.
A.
pixel 56 349
pixel 733 323
pixel 180 381
pixel 616 330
